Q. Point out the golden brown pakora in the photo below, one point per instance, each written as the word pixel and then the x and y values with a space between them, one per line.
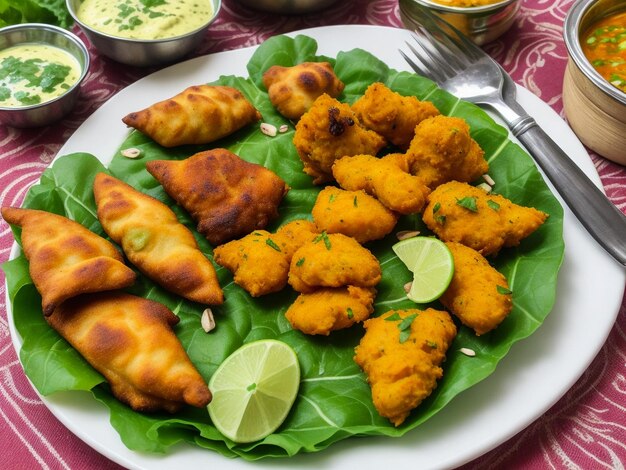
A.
pixel 331 308
pixel 198 115
pixel 392 115
pixel 387 179
pixel 155 241
pixel 401 354
pixel 459 212
pixel 330 130
pixel 353 213
pixel 442 150
pixel 478 294
pixel 292 90
pixel 65 258
pixel 227 196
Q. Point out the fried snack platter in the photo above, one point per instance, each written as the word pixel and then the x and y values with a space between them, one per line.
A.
pixel 209 354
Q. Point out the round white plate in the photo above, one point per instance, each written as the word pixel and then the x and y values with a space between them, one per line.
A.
pixel 530 379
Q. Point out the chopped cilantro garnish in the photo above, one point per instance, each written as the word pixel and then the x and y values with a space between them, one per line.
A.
pixel 323 236
pixel 493 205
pixel 436 207
pixel 350 313
pixel 468 203
pixel 300 262
pixel 273 245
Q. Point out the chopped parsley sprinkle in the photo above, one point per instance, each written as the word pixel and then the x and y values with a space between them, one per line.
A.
pixel 404 326
pixel 350 313
pixel 431 344
pixel 468 203
pixel 323 236
pixel 441 219
pixel 273 245
pixel 503 290
pixel 393 317
pixel 355 202
pixel 300 262
pixel 436 207
pixel 493 205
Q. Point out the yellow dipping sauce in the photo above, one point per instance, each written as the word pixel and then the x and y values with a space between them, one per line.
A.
pixel 145 19
pixel 466 3
pixel 604 45
pixel 34 73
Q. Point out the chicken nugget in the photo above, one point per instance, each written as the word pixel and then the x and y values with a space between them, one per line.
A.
pixel 459 212
pixel 333 260
pixel 330 130
pixel 331 308
pixel 478 294
pixel 401 354
pixel 353 213
pixel 392 115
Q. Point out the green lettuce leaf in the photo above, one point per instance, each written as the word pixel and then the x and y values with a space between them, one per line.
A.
pixel 334 401
pixel 35 11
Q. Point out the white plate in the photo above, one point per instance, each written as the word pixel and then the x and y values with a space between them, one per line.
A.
pixel 530 379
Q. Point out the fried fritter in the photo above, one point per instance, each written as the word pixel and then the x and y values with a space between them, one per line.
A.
pixel 330 130
pixel 295 234
pixel 292 90
pixel 331 308
pixel 198 115
pixel 387 179
pixel 333 260
pixel 478 294
pixel 130 341
pixel 459 212
pixel 443 150
pixel 65 258
pixel 155 241
pixel 392 115
pixel 353 213
pixel 401 353
pixel 227 196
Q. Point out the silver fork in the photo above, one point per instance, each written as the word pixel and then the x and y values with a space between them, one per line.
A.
pixel 444 54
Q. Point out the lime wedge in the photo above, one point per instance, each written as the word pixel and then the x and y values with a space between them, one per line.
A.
pixel 431 263
pixel 254 389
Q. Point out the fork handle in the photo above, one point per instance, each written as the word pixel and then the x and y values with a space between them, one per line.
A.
pixel 602 219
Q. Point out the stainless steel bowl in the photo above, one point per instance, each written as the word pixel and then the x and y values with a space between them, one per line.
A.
pixel 595 109
pixel 287 7
pixel 45 113
pixel 481 24
pixel 140 52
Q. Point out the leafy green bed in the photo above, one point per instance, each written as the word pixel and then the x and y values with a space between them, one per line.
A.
pixel 334 401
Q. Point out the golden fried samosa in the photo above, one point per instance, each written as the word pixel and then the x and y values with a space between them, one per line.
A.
pixel 130 341
pixel 292 90
pixel 227 196
pixel 198 115
pixel 66 259
pixel 155 241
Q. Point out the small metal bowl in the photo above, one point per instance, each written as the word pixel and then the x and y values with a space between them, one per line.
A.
pixel 139 52
pixel 47 112
pixel 287 7
pixel 481 24
pixel 595 109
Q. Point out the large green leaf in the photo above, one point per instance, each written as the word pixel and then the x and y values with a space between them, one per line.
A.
pixel 334 401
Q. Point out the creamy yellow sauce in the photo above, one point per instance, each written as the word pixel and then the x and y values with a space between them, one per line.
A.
pixel 145 19
pixel 466 3
pixel 33 73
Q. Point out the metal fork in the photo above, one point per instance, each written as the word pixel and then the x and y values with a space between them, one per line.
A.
pixel 441 52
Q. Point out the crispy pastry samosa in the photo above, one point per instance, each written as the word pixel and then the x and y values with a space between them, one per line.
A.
pixel 227 196
pixel 198 115
pixel 155 241
pixel 130 341
pixel 66 259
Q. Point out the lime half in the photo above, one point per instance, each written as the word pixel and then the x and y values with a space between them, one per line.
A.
pixel 254 389
pixel 432 265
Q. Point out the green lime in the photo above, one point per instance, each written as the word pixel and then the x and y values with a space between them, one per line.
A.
pixel 254 389
pixel 431 263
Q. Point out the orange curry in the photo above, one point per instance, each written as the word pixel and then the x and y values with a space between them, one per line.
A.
pixel 604 45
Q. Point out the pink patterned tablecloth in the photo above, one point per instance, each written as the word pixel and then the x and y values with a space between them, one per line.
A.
pixel 585 429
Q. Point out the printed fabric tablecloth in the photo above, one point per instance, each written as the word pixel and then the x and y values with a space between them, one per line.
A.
pixel 585 429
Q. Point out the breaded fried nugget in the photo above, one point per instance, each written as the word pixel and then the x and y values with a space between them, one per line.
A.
pixel 353 213
pixel 387 179
pixel 198 115
pixel 401 353
pixel 260 260
pixel 333 260
pixel 292 90
pixel 478 294
pixel 131 342
pixel 331 308
pixel 443 150
pixel 392 115
pixel 330 130
pixel 227 196
pixel 65 258
pixel 155 241
pixel 459 212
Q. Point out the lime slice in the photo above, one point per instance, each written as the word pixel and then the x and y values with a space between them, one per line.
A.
pixel 431 263
pixel 254 389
